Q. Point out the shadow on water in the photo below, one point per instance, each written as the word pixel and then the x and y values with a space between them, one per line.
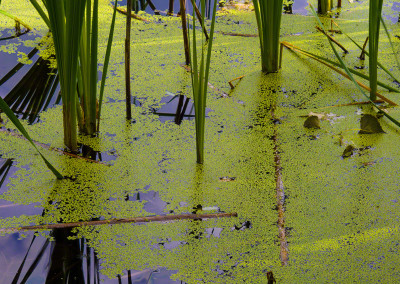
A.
pixel 177 108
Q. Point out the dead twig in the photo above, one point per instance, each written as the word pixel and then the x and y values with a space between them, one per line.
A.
pixel 237 34
pixel 332 39
pixel 362 55
pixel 133 15
pixel 238 78
pixel 159 218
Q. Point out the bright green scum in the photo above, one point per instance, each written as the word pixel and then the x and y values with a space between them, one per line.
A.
pixel 339 228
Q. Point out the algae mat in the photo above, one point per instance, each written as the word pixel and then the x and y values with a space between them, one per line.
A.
pixel 340 214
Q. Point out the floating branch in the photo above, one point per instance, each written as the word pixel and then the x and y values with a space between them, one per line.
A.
pixel 238 78
pixel 159 218
pixel 133 15
pixel 332 39
pixel 237 34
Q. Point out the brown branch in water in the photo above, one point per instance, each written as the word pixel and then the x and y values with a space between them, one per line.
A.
pixel 133 15
pixel 236 34
pixel 332 39
pixel 238 78
pixel 159 218
pixel 45 146
pixel 223 94
pixel 294 48
pixel 362 55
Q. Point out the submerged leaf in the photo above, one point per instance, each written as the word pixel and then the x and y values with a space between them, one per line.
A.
pixel 312 122
pixel 349 151
pixel 370 124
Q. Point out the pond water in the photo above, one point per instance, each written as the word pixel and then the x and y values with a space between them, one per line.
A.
pixel 306 212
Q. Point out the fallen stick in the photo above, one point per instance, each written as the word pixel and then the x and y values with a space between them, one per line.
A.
pixel 237 34
pixel 238 78
pixel 333 40
pixel 133 15
pixel 362 55
pixel 159 218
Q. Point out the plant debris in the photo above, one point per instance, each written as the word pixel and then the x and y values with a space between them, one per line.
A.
pixel 369 124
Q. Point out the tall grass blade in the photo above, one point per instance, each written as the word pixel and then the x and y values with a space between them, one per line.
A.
pixel 106 61
pixel 349 73
pixel 366 52
pixel 375 13
pixel 391 45
pixel 41 12
pixel 21 128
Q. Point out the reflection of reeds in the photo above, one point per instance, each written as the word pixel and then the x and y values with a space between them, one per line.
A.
pixel 34 91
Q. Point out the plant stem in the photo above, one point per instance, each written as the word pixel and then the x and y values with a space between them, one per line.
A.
pixel 127 62
pixel 184 30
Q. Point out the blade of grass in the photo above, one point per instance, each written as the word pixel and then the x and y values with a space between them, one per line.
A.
pixel 349 73
pixel 106 61
pixel 41 12
pixel 310 54
pixel 366 52
pixel 4 107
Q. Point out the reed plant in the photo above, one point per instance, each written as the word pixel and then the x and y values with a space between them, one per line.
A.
pixel 375 14
pixel 74 26
pixel 200 71
pixel 324 6
pixel 268 15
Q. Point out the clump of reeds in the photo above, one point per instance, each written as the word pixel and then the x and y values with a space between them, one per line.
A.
pixel 74 27
pixel 200 72
pixel 268 15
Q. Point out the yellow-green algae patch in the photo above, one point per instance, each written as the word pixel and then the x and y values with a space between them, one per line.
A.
pixel 341 214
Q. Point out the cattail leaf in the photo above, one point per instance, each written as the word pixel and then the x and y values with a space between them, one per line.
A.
pixel 10 114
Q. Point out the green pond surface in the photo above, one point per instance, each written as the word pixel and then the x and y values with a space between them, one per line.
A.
pixel 340 217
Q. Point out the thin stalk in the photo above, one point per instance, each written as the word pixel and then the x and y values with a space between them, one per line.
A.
pixel 324 6
pixel 375 11
pixel 128 62
pixel 106 61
